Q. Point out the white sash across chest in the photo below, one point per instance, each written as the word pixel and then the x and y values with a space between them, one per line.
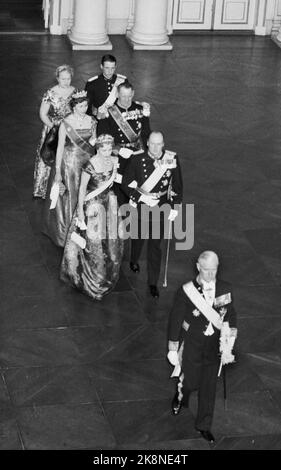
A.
pixel 202 305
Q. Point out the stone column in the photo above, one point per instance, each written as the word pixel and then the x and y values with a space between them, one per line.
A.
pixel 55 16
pixel 150 25
pixel 260 29
pixel 89 30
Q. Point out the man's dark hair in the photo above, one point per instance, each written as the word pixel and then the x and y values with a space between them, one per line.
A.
pixel 108 58
pixel 126 84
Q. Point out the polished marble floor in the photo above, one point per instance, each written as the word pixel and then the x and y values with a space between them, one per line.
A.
pixel 24 16
pixel 79 374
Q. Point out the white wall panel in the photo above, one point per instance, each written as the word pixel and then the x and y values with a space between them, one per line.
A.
pixel 118 12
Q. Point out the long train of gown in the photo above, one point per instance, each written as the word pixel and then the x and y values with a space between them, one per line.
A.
pixel 59 109
pixel 56 221
pixel 95 269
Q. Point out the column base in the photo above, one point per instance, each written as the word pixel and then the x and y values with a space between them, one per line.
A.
pixel 260 31
pixel 149 47
pixel 107 46
pixel 55 29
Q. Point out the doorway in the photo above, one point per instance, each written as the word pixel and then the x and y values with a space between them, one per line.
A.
pixel 214 15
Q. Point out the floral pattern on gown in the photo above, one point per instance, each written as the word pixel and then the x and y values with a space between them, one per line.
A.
pixel 95 269
pixel 59 109
pixel 56 221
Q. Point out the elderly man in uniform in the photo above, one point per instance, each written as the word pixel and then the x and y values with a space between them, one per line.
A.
pixel 152 178
pixel 128 122
pixel 202 331
pixel 102 89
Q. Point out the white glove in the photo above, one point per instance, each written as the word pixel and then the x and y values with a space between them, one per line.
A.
pixel 102 112
pixel 54 195
pixel 231 342
pixel 125 153
pixel 80 241
pixel 173 214
pixel 173 358
pixel 150 201
pixel 92 141
pixel 145 108
pixel 227 358
pixel 81 225
pixel 227 341
pixel 118 178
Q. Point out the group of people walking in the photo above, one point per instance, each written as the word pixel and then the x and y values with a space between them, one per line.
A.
pixel 108 158
pixel 106 149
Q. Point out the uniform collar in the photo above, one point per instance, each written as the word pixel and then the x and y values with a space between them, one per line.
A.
pixel 124 109
pixel 155 159
pixel 204 285
pixel 112 79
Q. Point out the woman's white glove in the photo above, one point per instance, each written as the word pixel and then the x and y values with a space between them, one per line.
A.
pixel 173 358
pixel 173 214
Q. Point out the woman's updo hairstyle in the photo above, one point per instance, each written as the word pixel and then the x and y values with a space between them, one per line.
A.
pixel 104 139
pixel 78 97
pixel 64 68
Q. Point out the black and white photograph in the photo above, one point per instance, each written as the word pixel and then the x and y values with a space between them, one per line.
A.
pixel 140 234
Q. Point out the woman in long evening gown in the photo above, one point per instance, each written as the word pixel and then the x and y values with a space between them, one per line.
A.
pixel 54 107
pixel 77 135
pixel 93 268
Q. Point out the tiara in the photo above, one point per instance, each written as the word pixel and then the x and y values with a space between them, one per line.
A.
pixel 79 94
pixel 105 139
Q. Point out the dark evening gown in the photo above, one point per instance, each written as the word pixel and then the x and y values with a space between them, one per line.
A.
pixel 94 270
pixel 56 221
pixel 59 109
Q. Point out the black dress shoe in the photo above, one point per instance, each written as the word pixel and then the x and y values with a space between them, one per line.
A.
pixel 176 405
pixel 207 435
pixel 135 267
pixel 154 291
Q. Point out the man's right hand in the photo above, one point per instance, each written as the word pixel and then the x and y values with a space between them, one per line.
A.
pixel 173 358
pixel 150 201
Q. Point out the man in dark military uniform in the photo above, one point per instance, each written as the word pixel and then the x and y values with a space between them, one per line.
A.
pixel 202 325
pixel 128 122
pixel 152 179
pixel 102 89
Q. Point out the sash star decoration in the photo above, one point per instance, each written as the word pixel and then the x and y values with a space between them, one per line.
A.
pixel 196 312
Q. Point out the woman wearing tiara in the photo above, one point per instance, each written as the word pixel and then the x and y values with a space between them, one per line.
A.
pixel 94 246
pixel 54 107
pixel 77 135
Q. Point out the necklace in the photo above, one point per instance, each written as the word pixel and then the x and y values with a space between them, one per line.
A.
pixel 65 92
pixel 103 165
pixel 80 119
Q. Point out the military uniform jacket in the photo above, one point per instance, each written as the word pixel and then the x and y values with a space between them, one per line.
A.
pixel 98 89
pixel 135 118
pixel 187 324
pixel 141 167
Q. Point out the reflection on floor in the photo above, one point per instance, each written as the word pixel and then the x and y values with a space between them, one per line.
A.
pixel 76 374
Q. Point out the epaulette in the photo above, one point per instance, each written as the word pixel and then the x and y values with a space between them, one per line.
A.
pixel 93 78
pixel 139 103
pixel 121 76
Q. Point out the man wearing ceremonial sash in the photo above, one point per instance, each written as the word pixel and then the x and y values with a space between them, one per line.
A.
pixel 102 89
pixel 152 178
pixel 202 325
pixel 128 122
